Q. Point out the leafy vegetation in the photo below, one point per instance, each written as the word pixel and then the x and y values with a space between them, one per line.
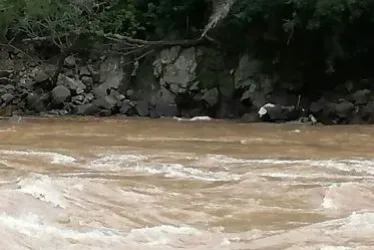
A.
pixel 321 34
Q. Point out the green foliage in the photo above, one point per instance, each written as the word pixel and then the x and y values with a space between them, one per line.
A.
pixel 332 30
pixel 36 18
pixel 328 31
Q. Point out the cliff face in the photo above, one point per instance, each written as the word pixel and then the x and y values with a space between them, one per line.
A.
pixel 186 82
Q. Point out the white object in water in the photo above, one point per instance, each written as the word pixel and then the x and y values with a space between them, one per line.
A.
pixel 262 111
pixel 201 118
pixel 196 118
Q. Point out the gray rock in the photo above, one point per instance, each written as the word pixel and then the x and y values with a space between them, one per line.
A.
pixel 258 99
pixel 60 94
pixel 344 109
pixel 317 106
pixel 5 73
pixel 361 96
pixel 130 93
pixel 79 91
pixel 211 97
pixel 69 73
pixel 70 83
pixel 86 109
pixel 90 97
pixel 3 91
pixel 247 69
pixel 246 95
pixel 70 62
pixel 88 80
pixel 91 69
pixel 181 75
pixel 168 56
pixel 9 87
pixel 157 68
pixel 99 92
pixel 41 76
pixel 267 84
pixel 164 104
pixel 5 80
pixel 367 112
pixel 230 108
pixel 142 108
pixel 283 98
pixel 79 99
pixel 7 97
pixel 121 97
pixel 107 102
pixel 323 111
pixel 35 102
pixel 84 71
pixel 125 107
pixel 94 74
pixel 112 74
pixel 116 95
pixel 166 109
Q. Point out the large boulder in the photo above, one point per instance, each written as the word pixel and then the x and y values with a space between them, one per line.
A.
pixel 36 102
pixel 40 76
pixel 247 69
pixel 361 97
pixel 72 84
pixel 344 109
pixel 142 108
pixel 106 102
pixel 179 75
pixel 126 107
pixel 112 74
pixel 211 97
pixel 60 94
pixel 163 104
pixel 70 62
pixel 367 113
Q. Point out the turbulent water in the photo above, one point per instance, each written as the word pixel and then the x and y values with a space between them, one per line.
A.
pixel 166 184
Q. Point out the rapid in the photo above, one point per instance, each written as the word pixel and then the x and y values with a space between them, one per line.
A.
pixel 92 183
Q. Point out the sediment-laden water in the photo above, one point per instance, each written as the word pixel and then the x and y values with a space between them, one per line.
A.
pixel 166 184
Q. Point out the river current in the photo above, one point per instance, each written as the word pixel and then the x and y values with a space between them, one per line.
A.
pixel 167 184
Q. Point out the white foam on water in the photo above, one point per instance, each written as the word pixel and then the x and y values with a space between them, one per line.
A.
pixel 115 162
pixel 354 230
pixel 359 166
pixel 328 202
pixel 283 175
pixel 33 225
pixel 362 221
pixel 134 163
pixel 335 248
pixel 196 118
pixel 55 158
pixel 338 196
pixel 41 233
pixel 7 130
pixel 42 187
pixel 160 235
pixel 180 171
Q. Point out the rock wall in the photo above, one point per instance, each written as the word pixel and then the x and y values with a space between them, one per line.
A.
pixel 178 81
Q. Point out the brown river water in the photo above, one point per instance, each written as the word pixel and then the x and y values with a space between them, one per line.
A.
pixel 166 184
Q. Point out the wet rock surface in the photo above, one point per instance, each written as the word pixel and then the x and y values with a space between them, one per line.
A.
pixel 177 82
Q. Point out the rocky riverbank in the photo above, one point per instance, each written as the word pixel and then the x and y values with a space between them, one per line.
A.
pixel 177 82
